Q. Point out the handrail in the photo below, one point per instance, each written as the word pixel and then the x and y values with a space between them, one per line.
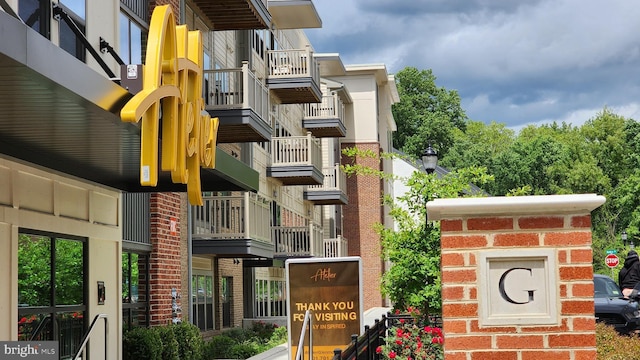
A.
pixel 40 327
pixel 85 340
pixel 307 322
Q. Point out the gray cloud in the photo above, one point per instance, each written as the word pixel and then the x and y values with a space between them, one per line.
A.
pixel 513 62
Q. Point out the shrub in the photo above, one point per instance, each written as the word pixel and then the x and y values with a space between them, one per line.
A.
pixel 245 350
pixel 219 347
pixel 142 344
pixel 612 346
pixel 170 346
pixel 278 337
pixel 190 341
pixel 410 340
pixel 262 330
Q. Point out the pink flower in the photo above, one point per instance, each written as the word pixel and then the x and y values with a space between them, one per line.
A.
pixel 399 342
pixel 378 349
pixel 392 355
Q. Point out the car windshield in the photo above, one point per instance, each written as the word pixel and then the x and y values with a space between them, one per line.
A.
pixel 605 287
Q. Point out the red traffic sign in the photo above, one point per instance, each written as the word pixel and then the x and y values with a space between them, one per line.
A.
pixel 612 260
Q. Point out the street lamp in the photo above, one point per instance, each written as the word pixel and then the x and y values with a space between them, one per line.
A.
pixel 429 159
pixel 429 163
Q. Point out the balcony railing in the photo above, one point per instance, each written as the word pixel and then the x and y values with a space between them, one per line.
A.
pixel 331 107
pixel 243 216
pixel 237 88
pixel 294 76
pixel 336 247
pixel 298 241
pixel 296 150
pixel 334 179
pixel 293 63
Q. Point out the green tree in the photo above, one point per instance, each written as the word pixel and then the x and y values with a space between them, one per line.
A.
pixel 425 113
pixel 413 249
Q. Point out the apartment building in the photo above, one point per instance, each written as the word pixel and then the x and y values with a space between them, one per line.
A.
pixel 98 226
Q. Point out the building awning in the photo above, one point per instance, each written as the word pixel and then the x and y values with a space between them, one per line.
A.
pixel 58 113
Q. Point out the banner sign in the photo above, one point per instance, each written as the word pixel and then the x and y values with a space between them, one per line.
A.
pixel 331 289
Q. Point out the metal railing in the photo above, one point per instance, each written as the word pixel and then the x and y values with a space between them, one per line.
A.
pixel 298 241
pixel 307 326
pixel 334 179
pixel 237 88
pixel 331 107
pixel 284 64
pixel 364 347
pixel 85 340
pixel 335 247
pixel 244 216
pixel 296 150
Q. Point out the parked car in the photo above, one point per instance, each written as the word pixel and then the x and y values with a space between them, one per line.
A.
pixel 612 308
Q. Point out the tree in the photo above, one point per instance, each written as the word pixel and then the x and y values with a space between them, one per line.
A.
pixel 425 113
pixel 413 249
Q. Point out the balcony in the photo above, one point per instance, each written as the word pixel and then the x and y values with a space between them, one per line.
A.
pixel 336 247
pixel 296 160
pixel 325 119
pixel 294 76
pixel 236 14
pixel 298 241
pixel 232 226
pixel 294 14
pixel 332 191
pixel 241 103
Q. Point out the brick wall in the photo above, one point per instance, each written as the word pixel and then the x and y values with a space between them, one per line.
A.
pixel 165 261
pixel 175 7
pixel 464 236
pixel 362 212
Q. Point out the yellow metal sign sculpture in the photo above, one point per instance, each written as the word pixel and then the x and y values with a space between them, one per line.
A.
pixel 173 79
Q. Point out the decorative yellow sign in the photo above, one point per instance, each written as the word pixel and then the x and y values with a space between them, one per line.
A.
pixel 173 78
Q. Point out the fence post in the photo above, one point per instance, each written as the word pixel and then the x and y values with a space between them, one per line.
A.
pixel 337 354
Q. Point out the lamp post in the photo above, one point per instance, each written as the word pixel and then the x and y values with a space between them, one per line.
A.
pixel 429 163
pixel 429 159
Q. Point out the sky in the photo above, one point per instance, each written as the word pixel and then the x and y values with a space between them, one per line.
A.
pixel 512 62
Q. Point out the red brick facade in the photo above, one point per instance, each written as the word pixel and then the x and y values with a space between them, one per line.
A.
pixel 464 237
pixel 363 211
pixel 165 261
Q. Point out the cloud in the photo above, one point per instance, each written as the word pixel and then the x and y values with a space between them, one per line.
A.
pixel 510 61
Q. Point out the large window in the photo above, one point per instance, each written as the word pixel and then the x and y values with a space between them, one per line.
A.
pixel 135 287
pixel 202 300
pixel 69 41
pixel 270 298
pixel 52 289
pixel 132 40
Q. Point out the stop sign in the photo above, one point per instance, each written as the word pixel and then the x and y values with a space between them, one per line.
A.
pixel 612 260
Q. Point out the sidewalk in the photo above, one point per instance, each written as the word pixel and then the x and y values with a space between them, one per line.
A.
pixel 281 352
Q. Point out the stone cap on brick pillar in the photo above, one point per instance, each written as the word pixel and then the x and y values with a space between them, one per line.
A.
pixel 523 205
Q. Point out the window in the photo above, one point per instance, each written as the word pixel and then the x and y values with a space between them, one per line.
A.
pixel 52 289
pixel 68 39
pixel 36 14
pixel 270 298
pixel 135 287
pixel 202 300
pixel 132 40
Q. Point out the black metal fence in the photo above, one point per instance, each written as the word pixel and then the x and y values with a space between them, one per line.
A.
pixel 364 347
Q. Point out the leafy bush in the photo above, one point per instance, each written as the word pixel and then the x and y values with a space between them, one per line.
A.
pixel 190 341
pixel 409 339
pixel 219 347
pixel 238 343
pixel 170 346
pixel 142 344
pixel 612 346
